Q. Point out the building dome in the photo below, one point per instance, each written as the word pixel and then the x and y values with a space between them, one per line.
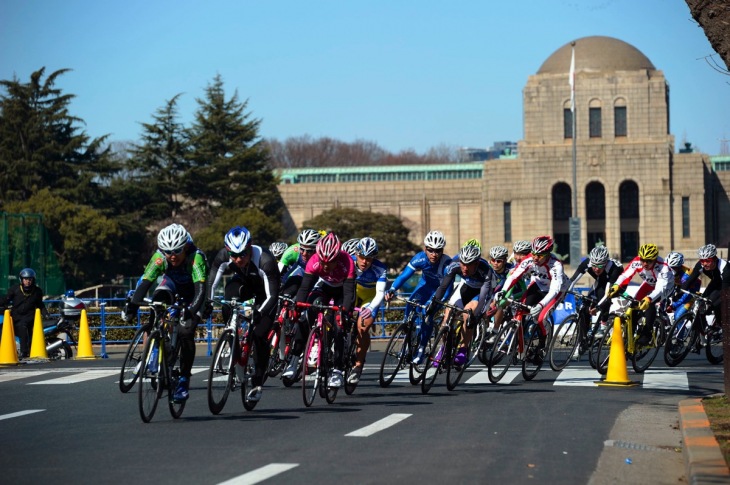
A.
pixel 597 53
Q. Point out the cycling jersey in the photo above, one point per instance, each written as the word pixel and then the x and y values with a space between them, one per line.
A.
pixel 549 277
pixel 683 299
pixel 658 282
pixel 290 261
pixel 477 286
pixel 719 279
pixel 370 285
pixel 340 275
pixel 431 274
pixel 611 271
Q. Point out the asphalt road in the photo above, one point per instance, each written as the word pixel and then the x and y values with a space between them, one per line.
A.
pixel 552 430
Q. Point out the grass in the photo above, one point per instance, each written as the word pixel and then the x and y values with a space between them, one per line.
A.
pixel 718 413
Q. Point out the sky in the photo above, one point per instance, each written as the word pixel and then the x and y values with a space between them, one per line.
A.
pixel 407 75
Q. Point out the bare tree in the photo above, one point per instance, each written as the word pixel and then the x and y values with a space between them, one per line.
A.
pixel 714 18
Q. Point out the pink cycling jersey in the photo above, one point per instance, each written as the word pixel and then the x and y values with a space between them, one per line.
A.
pixel 342 268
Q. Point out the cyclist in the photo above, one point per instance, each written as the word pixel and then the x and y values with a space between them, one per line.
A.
pixel 294 259
pixel 604 271
pixel 681 302
pixel 183 268
pixel 500 271
pixel 277 249
pixel 520 250
pixel 432 263
pixel 370 290
pixel 547 286
pixel 350 246
pixel 255 275
pixel 658 285
pixel 717 270
pixel 334 273
pixel 25 298
pixel 471 293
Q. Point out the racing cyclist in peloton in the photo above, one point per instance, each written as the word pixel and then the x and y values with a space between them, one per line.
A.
pixel 500 271
pixel 255 275
pixel 183 268
pixel 657 285
pixel 294 260
pixel 370 291
pixel 717 270
pixel 432 263
pixel 277 249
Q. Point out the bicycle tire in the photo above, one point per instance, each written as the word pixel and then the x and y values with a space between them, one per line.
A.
pixel 532 363
pixel 676 349
pixel 713 346
pixel 173 377
pixel 435 362
pixel 503 351
pixel 350 359
pixel 453 370
pixel 310 375
pixel 132 359
pixel 642 358
pixel 149 385
pixel 604 346
pixel 416 371
pixel 477 341
pixel 564 343
pixel 221 373
pixel 249 370
pixel 396 352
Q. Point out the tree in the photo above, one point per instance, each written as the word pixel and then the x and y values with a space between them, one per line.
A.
pixel 41 145
pixel 714 18
pixel 230 162
pixel 394 248
pixel 264 229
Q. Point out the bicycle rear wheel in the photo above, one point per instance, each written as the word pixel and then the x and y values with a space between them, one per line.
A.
pixel 713 347
pixel 453 370
pixel 131 365
pixel 503 351
pixel 311 373
pixel 249 370
pixel 221 373
pixel 350 358
pixel 437 359
pixel 148 383
pixel 395 355
pixel 681 340
pixel 564 343
pixel 535 357
pixel 477 342
pixel 643 357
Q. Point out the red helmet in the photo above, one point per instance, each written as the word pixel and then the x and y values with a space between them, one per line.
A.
pixel 328 247
pixel 542 244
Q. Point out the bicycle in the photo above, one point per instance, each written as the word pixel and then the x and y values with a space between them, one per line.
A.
pixel 160 367
pixel 318 357
pixel 517 342
pixel 280 338
pixel 691 330
pixel 569 339
pixel 403 346
pixel 443 352
pixel 133 359
pixel 232 363
pixel 350 351
pixel 641 356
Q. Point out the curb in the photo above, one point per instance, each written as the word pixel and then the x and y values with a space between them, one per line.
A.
pixel 702 456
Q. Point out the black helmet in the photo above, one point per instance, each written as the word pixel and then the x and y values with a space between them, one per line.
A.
pixel 27 273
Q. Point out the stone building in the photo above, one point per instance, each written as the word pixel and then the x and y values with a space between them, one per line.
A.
pixel 632 187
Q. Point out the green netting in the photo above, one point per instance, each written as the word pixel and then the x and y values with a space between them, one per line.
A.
pixel 24 244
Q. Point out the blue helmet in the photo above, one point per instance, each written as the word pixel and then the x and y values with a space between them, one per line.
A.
pixel 237 239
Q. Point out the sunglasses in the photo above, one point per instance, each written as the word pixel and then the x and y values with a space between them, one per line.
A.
pixel 171 252
pixel 306 250
pixel 434 251
pixel 647 260
pixel 539 255
pixel 496 260
pixel 242 254
pixel 599 266
pixel 706 260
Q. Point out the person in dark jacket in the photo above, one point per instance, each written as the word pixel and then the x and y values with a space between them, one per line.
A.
pixel 25 298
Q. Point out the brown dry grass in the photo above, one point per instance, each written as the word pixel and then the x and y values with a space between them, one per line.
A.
pixel 718 413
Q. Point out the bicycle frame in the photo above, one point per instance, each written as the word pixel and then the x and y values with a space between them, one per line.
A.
pixel 316 379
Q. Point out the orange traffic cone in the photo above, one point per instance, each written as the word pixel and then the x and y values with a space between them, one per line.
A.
pixel 38 345
pixel 8 350
pixel 85 351
pixel 617 375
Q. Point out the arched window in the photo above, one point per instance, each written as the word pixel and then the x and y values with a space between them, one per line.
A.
pixel 594 118
pixel 628 200
pixel 619 118
pixel 562 211
pixel 595 214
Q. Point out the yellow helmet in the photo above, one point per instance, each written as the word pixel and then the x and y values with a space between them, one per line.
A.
pixel 473 242
pixel 648 251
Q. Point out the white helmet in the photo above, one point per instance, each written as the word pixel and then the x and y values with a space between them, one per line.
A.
pixel 674 259
pixel 173 238
pixel 434 240
pixel 522 247
pixel 367 247
pixel 707 251
pixel 277 248
pixel 237 239
pixel 599 256
pixel 468 254
pixel 498 252
pixel 309 238
pixel 350 246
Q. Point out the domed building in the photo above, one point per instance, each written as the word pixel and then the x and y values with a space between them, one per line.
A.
pixel 630 185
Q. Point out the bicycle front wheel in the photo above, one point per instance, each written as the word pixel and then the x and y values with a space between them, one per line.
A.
pixel 713 347
pixel 311 362
pixel 535 355
pixel 220 373
pixel 643 356
pixel 564 343
pixel 395 355
pixel 503 351
pixel 132 360
pixel 436 361
pixel 454 371
pixel 680 341
pixel 350 358
pixel 249 370
pixel 477 342
pixel 148 381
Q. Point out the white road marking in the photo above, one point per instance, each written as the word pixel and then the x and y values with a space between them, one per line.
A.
pixel 666 379
pixel 380 425
pixel 11 376
pixel 482 377
pixel 21 413
pixel 260 474
pixel 81 377
pixel 578 376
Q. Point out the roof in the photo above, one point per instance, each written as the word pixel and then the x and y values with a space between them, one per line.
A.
pixel 597 53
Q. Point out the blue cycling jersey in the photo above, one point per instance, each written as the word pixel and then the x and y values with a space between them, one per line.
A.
pixel 431 274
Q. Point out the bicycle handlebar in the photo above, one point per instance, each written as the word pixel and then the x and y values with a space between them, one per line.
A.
pixel 696 295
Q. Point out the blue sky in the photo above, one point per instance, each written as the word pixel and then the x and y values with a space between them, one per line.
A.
pixel 403 74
